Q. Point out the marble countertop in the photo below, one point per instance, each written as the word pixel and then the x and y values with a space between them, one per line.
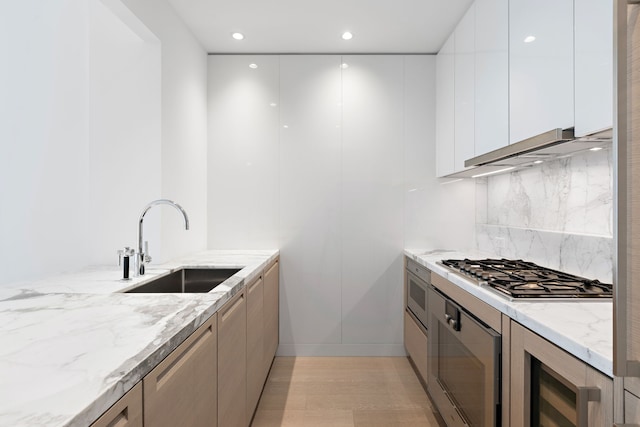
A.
pixel 73 344
pixel 584 329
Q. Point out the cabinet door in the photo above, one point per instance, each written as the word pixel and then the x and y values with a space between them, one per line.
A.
pixel 372 198
pixel 126 412
pixel 594 66
pixel 464 92
pixel 540 66
pixel 232 363
pixel 491 75
pixel 601 412
pixel 415 341
pixel 631 409
pixel 574 373
pixel 271 314
pixel 445 125
pixel 181 390
pixel 255 344
pixel 310 171
pixel 627 197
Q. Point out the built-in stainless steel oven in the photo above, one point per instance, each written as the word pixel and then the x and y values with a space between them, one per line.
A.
pixel 463 365
pixel 417 281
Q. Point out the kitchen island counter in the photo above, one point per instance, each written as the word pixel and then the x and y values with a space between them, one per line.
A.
pixel 72 345
pixel 582 328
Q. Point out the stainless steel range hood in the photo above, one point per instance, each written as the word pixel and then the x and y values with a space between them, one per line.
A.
pixel 547 146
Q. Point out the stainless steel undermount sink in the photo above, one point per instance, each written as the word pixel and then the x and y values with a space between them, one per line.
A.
pixel 187 280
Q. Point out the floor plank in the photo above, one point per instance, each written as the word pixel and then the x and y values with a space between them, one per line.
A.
pixel 344 392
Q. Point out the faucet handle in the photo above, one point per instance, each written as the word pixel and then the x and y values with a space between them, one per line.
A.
pixel 147 257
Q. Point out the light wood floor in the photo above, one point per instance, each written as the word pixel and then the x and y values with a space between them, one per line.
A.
pixel 343 391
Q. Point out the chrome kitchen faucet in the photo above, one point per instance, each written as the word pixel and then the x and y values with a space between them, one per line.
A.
pixel 143 256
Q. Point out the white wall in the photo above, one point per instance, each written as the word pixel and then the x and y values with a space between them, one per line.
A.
pixel 243 152
pixel 93 127
pixel 335 167
pixel 183 171
pixel 43 131
pixel 438 213
pixel 124 132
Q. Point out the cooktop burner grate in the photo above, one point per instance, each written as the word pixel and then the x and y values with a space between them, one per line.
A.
pixel 522 279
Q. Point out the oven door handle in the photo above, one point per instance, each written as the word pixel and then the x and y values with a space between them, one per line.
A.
pixel 583 397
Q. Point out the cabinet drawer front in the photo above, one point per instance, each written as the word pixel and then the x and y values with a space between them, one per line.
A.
pixel 126 412
pixel 182 389
pixel 415 341
pixel 170 368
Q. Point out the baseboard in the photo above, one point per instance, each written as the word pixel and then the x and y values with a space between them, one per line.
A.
pixel 341 350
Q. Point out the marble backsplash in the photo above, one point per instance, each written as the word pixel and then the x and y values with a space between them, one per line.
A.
pixel 558 214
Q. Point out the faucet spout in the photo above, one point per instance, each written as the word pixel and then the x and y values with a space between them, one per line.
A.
pixel 143 255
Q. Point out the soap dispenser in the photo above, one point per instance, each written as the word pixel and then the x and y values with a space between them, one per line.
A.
pixel 124 256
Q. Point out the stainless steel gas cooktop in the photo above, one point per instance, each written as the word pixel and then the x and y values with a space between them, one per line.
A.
pixel 517 279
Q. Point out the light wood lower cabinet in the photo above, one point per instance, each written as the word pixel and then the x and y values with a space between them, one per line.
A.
pixel 593 390
pixel 415 341
pixel 126 412
pixel 181 390
pixel 216 376
pixel 271 314
pixel 255 344
pixel 232 362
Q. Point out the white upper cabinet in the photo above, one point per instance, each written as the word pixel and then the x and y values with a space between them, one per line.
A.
pixel 445 126
pixel 540 66
pixel 464 91
pixel 491 75
pixel 594 66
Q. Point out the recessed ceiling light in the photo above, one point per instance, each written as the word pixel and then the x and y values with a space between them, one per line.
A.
pixel 347 35
pixel 595 148
pixel 537 162
pixel 273 104
pixel 254 66
pixel 237 36
pixel 529 39
pixel 344 65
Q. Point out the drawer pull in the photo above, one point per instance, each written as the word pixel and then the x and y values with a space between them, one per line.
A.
pixel 231 309
pixel 173 367
pixel 122 419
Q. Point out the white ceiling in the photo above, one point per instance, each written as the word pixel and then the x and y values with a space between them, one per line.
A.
pixel 303 26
